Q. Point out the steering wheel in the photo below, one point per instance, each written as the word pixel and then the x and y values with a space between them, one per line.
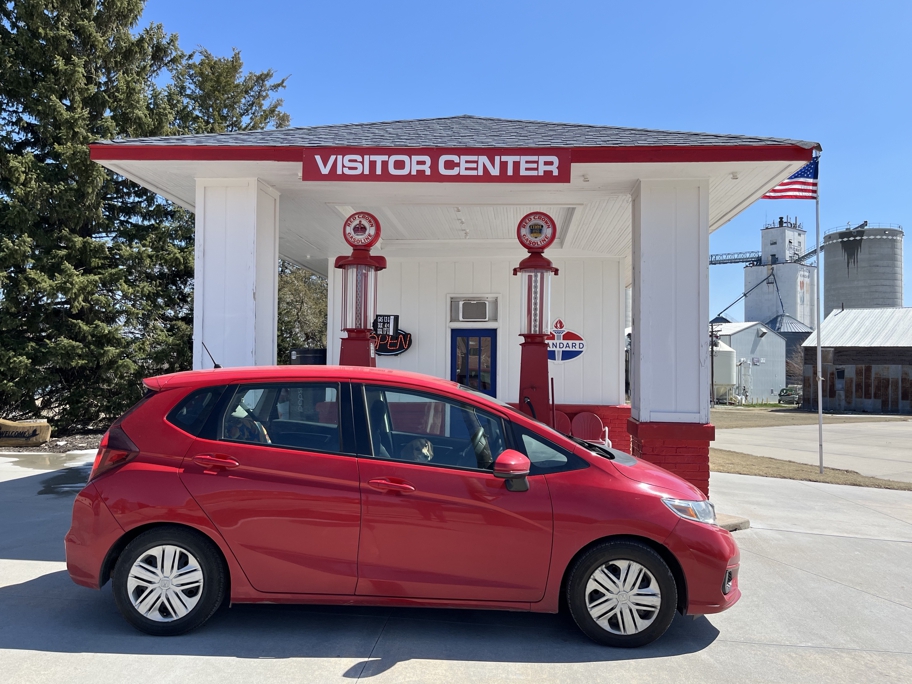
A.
pixel 258 425
pixel 481 449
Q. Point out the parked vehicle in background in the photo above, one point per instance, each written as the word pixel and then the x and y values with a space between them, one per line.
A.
pixel 790 395
pixel 307 484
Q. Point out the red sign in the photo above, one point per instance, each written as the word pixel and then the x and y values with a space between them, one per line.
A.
pixel 437 165
pixel 536 231
pixel 361 230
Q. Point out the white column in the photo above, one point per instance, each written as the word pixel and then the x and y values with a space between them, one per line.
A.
pixel 236 272
pixel 670 310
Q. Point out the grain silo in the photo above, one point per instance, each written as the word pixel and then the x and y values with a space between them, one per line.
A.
pixel 862 267
pixel 723 372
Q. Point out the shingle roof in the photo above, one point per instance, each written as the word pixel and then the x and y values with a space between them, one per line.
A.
pixel 891 327
pixel 465 131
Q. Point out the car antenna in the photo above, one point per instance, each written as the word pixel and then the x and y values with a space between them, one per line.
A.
pixel 214 364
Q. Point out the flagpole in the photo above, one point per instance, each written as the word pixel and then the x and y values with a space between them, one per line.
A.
pixel 819 331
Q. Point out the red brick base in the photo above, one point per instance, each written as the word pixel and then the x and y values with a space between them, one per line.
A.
pixel 613 417
pixel 682 448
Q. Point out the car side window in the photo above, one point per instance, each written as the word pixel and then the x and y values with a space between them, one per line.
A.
pixel 545 456
pixel 419 427
pixel 192 411
pixel 291 415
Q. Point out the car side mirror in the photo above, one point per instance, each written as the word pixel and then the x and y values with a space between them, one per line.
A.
pixel 513 467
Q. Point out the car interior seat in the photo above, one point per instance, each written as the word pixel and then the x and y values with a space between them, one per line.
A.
pixel 588 426
pixel 380 429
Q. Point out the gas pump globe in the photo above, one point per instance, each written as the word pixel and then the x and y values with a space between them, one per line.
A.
pixel 359 289
pixel 536 232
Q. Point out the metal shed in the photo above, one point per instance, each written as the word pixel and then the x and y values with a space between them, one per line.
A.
pixel 759 358
pixel 867 361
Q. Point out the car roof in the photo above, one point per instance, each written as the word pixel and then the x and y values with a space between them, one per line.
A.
pixel 243 374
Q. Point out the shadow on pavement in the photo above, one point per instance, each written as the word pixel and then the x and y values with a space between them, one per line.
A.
pixel 50 613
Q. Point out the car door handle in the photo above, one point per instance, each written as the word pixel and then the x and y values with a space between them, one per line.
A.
pixel 215 461
pixel 388 485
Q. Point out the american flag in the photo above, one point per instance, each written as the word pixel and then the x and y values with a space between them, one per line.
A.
pixel 800 185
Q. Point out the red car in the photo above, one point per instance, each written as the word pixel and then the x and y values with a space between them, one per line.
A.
pixel 309 484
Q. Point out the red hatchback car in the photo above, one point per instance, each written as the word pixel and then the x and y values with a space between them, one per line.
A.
pixel 308 484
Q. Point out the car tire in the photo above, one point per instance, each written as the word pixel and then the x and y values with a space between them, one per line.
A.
pixel 169 580
pixel 622 594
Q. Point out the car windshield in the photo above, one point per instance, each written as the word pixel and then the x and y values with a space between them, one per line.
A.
pixel 500 402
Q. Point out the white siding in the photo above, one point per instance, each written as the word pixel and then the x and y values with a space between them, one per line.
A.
pixel 236 273
pixel 767 377
pixel 588 296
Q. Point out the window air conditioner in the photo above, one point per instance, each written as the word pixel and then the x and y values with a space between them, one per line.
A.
pixel 471 311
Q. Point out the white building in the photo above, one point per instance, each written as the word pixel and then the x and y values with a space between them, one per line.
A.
pixel 790 286
pixel 759 360
pixel 633 208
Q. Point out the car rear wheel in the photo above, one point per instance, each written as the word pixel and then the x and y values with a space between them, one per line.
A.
pixel 622 594
pixel 169 581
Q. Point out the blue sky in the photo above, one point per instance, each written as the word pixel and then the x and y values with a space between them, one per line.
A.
pixel 834 72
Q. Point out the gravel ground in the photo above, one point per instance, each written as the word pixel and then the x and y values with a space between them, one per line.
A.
pixel 59 445
pixel 746 417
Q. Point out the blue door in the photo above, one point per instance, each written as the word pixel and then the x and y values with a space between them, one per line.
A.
pixel 474 359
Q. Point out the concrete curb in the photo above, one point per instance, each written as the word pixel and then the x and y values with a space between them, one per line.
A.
pixel 732 523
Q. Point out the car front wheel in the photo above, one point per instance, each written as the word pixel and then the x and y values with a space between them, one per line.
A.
pixel 169 581
pixel 622 594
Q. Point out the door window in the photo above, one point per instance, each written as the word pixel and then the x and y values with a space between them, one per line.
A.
pixel 426 428
pixel 474 359
pixel 544 455
pixel 288 415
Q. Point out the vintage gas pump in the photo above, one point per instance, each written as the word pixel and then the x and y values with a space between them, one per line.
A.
pixel 536 232
pixel 359 289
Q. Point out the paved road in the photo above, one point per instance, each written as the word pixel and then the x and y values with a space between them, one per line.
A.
pixel 875 449
pixel 826 575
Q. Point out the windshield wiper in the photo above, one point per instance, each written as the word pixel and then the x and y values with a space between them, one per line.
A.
pixel 597 448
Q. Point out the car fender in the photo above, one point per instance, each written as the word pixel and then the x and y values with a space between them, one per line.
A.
pixel 592 504
pixel 142 495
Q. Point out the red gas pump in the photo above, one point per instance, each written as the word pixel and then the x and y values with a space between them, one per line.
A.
pixel 535 232
pixel 361 230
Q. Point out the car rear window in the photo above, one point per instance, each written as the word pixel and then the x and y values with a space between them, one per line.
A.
pixel 191 413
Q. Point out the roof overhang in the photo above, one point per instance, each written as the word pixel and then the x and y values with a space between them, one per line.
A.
pixel 591 205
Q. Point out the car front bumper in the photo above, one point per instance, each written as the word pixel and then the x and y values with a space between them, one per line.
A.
pixel 707 554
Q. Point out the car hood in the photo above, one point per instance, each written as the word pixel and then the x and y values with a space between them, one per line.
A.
pixel 638 470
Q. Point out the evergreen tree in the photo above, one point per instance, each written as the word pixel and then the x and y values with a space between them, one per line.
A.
pixel 95 271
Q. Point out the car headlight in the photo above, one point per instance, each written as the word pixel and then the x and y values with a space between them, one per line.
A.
pixel 700 511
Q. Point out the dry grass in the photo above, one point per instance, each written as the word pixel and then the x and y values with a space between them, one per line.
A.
pixel 722 461
pixel 747 417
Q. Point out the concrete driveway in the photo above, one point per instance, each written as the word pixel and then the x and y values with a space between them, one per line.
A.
pixel 876 449
pixel 826 576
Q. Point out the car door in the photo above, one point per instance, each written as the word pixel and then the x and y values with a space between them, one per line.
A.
pixel 277 475
pixel 436 523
